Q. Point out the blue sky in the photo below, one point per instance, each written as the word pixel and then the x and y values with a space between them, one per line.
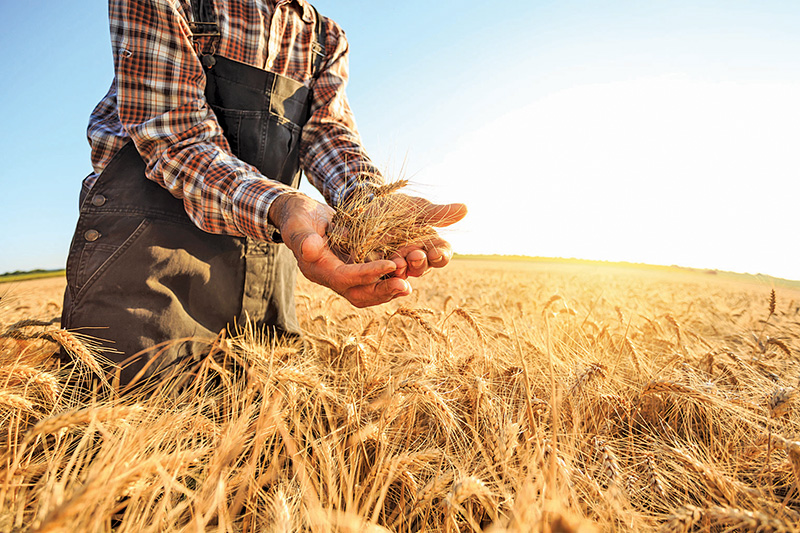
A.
pixel 652 131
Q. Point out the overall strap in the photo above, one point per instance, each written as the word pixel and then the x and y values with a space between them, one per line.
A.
pixel 318 44
pixel 204 25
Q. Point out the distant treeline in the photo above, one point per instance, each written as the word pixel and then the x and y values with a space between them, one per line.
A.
pixel 34 271
pixel 20 275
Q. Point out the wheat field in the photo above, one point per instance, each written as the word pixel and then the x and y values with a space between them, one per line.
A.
pixel 500 396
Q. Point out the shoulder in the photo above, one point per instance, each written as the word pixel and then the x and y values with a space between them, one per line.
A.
pixel 335 38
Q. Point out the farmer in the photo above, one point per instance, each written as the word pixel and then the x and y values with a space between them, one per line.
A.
pixel 197 150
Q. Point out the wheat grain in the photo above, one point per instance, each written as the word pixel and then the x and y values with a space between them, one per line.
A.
pixel 434 488
pixel 30 375
pixel 426 326
pixel 293 375
pixel 772 302
pixel 75 417
pixel 674 323
pixel 682 520
pixel 653 478
pixel 551 301
pixel 399 463
pixel 593 371
pixel 780 345
pixel 609 461
pixel 755 521
pixel 350 436
pixel 780 401
pixel 465 488
pixel 634 354
pixel 325 341
pixel 469 319
pixel 376 223
pixel 369 328
pixel 723 488
pixel 281 513
pixel 77 349
pixel 15 402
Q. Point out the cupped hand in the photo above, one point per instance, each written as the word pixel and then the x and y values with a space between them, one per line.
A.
pixel 303 223
pixel 417 258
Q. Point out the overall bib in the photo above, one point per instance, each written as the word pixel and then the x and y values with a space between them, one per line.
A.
pixel 140 273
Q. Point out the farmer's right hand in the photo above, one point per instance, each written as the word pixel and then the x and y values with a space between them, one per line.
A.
pixel 303 223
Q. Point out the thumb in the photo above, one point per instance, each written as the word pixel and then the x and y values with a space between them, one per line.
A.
pixel 441 215
pixel 312 246
pixel 303 239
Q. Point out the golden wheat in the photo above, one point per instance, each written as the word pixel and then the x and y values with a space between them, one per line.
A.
pixel 500 408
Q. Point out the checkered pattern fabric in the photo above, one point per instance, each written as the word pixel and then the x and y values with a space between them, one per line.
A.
pixel 157 101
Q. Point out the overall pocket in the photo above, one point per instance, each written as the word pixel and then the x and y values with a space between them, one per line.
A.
pixel 98 256
pixel 284 136
pixel 269 142
pixel 243 130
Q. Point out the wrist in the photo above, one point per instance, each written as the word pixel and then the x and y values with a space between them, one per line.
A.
pixel 279 208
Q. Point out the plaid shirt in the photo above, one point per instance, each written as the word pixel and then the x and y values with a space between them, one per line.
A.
pixel 157 101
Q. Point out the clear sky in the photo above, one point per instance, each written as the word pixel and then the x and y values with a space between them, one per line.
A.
pixel 658 131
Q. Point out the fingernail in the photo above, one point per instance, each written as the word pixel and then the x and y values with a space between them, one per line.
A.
pixel 401 291
pixel 416 263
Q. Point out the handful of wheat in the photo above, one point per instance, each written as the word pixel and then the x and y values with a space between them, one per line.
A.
pixel 377 223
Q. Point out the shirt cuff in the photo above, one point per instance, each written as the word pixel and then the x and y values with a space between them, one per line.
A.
pixel 251 202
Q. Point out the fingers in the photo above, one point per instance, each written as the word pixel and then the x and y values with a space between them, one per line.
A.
pixel 444 215
pixel 439 253
pixel 362 284
pixel 417 261
pixel 346 276
pixel 311 247
pixel 378 293
pixel 402 267
pixel 421 257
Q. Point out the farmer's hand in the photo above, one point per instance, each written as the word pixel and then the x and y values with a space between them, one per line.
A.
pixel 303 223
pixel 415 259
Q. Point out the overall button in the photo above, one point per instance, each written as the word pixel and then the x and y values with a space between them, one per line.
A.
pixel 208 61
pixel 98 200
pixel 91 235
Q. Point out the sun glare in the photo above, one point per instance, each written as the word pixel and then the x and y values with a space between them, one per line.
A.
pixel 664 170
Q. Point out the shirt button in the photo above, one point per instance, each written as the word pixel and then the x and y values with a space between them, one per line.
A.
pixel 91 235
pixel 98 200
